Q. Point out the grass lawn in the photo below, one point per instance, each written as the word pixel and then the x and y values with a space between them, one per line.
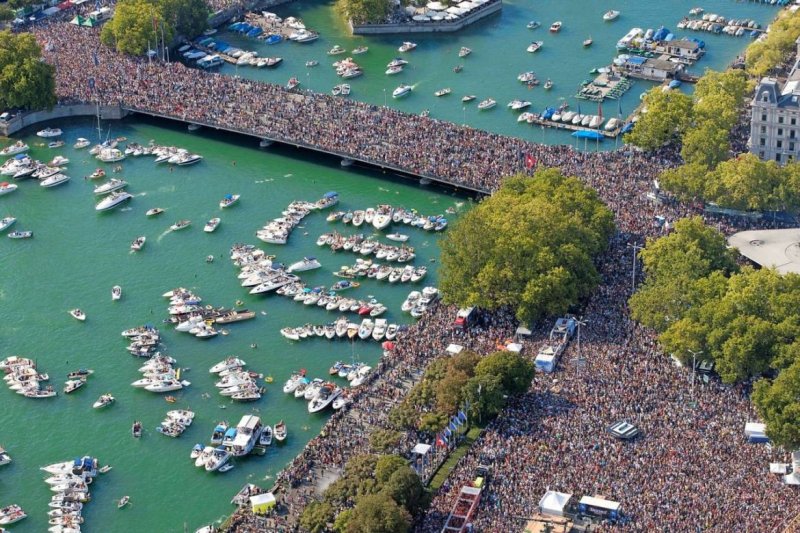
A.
pixel 444 470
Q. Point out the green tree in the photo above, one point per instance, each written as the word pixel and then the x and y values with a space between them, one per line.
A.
pixel 316 516
pixel 136 27
pixel 433 422
pixel 748 183
pixel 378 513
pixel 530 246
pixel 778 404
pixel 765 54
pixel 448 392
pixel 515 372
pixel 365 11
pixel 6 13
pixel 188 17
pixel 388 465
pixel 342 520
pixel 405 488
pixel 673 266
pixel 384 440
pixel 687 181
pixel 25 80
pixel 668 116
pixel 486 397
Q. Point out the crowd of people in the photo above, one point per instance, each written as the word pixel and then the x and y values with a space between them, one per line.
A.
pixel 464 156
pixel 691 469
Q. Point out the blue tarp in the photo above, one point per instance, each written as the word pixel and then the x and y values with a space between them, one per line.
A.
pixel 586 134
pixel 637 60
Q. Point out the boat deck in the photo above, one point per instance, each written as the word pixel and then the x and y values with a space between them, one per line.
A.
pixel 605 86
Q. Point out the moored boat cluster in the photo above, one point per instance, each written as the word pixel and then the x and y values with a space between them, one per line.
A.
pixel 378 330
pixel 235 382
pixel 366 246
pixel 366 268
pixel 277 231
pixel 23 377
pixel 176 422
pixel 70 481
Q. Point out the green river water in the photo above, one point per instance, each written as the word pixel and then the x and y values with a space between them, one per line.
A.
pixel 77 255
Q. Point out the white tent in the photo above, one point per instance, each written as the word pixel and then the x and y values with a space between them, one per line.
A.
pixel 523 331
pixel 553 503
pixel 436 6
pixel 261 503
pixel 454 10
pixel 454 349
pixel 464 5
pixel 514 347
pixel 421 449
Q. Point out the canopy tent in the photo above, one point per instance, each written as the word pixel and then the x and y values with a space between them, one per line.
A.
pixel 524 332
pixel 756 432
pixel 554 503
pixel 421 449
pixel 465 5
pixel 454 349
pixel 436 6
pixel 51 11
pixel 90 22
pixel 77 20
pixel 261 503
pixel 514 347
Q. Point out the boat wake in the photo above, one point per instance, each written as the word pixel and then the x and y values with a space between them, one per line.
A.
pixel 265 180
pixel 126 209
pixel 288 175
pixel 167 232
pixel 141 194
pixel 167 188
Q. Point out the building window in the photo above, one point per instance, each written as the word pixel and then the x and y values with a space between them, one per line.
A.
pixel 791 147
pixel 761 154
pixel 779 144
pixel 792 134
pixel 778 158
pixel 763 129
pixel 780 120
pixel 762 141
pixel 763 117
pixel 780 132
pixel 793 121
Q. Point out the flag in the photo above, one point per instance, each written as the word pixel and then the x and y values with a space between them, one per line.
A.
pixel 95 59
pixel 440 442
pixel 462 416
pixel 530 161
pixel 453 427
pixel 447 431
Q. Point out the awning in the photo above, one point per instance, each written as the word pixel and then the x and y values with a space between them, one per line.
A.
pixel 553 503
pixel 454 349
pixel 525 332
pixel 261 503
pixel 436 6
pixel 421 449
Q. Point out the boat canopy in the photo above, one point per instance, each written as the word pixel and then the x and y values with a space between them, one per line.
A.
pixel 20 156
pixel 229 197
pixel 331 194
pixel 230 433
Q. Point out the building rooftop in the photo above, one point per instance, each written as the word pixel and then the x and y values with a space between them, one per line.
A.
pixel 778 248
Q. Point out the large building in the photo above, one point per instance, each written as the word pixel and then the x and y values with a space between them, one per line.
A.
pixel 775 124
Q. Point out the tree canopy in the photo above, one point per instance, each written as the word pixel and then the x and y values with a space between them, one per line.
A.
pixel 668 116
pixel 365 11
pixel 530 246
pixel 25 80
pixel 765 54
pixel 778 404
pixel 375 493
pixel 140 25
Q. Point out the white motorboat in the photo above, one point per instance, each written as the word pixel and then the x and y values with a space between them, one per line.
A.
pixel 54 180
pixel 535 46
pixel 518 105
pixel 396 69
pixel 11 515
pixel 5 458
pixel 248 433
pixel 16 148
pixel 138 243
pixel 610 15
pixel 78 314
pixel 154 211
pixel 379 330
pixel 202 459
pixel 229 200
pixel 226 364
pixel 327 394
pixel 6 222
pixel 116 292
pixel 365 330
pixel 311 390
pixel 81 143
pixel 6 188
pixel 49 132
pixel 411 301
pixel 487 104
pixel 407 47
pixel 212 224
pixel 181 224
pixel 113 200
pixel 293 382
pixel 391 332
pixel 110 186
pixel 167 385
pixel 308 263
pixel 73 385
pixel 218 457
pixel 401 91
pixel 397 237
pixel 103 400
pixel 110 155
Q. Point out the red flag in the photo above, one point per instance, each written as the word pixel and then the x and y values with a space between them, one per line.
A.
pixel 530 161
pixel 440 442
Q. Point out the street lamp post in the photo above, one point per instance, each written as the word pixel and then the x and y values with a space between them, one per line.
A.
pixel 694 366
pixel 635 248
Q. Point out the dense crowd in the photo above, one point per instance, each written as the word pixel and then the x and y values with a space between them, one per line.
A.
pixel 463 156
pixel 691 470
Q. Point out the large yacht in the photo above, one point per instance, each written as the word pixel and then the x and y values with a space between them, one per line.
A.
pixel 248 431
